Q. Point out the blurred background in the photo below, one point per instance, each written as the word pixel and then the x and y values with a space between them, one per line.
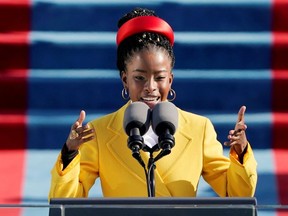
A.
pixel 59 56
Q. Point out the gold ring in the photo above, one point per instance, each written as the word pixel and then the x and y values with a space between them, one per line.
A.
pixel 73 134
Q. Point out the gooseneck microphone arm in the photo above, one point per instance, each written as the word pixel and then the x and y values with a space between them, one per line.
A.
pixel 164 123
pixel 166 142
pixel 135 143
pixel 136 123
pixel 150 176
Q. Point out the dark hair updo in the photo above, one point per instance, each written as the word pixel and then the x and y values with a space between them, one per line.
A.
pixel 141 40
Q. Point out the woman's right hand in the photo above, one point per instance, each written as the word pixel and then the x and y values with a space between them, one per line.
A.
pixel 79 133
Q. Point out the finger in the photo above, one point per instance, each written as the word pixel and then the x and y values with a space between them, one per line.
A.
pixel 86 139
pixel 232 142
pixel 241 114
pixel 80 129
pixel 81 117
pixel 234 138
pixel 83 139
pixel 231 132
pixel 80 120
pixel 80 133
pixel 86 133
pixel 238 131
pixel 239 127
pixel 227 143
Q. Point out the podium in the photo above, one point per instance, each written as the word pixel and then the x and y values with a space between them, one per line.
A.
pixel 153 206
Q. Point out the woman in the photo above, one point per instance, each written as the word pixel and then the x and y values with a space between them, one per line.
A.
pixel 99 149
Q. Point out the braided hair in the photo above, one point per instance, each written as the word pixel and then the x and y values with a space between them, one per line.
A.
pixel 140 41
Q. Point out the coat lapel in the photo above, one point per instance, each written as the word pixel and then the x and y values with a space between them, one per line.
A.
pixel 118 147
pixel 167 164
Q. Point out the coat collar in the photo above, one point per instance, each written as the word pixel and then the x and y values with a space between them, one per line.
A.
pixel 124 156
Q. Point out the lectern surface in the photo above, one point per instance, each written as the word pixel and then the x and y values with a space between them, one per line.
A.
pixel 153 206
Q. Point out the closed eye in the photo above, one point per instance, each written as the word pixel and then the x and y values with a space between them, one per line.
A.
pixel 140 78
pixel 160 78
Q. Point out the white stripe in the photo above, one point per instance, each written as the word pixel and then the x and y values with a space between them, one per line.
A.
pixel 74 37
pixel 62 118
pixel 180 37
pixel 223 37
pixel 73 74
pixel 178 74
pixel 58 118
pixel 222 74
pixel 254 118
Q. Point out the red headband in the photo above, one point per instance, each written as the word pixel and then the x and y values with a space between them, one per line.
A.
pixel 145 24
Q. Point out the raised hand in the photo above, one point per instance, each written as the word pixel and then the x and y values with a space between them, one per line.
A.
pixel 237 137
pixel 79 133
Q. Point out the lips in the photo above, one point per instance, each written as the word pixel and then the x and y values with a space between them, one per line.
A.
pixel 150 101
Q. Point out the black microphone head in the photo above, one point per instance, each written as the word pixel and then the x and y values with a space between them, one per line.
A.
pixel 164 116
pixel 137 115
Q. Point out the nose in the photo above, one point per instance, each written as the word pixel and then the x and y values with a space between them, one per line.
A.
pixel 150 85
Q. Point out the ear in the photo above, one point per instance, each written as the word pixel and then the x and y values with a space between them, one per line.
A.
pixel 124 78
pixel 171 78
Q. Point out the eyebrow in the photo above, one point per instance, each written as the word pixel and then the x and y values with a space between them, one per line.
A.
pixel 144 71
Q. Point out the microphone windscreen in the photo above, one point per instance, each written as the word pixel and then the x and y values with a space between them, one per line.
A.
pixel 164 116
pixel 137 115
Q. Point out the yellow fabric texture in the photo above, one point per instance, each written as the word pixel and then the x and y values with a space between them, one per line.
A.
pixel 196 152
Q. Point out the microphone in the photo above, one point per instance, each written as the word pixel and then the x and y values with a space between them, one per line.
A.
pixel 164 124
pixel 136 123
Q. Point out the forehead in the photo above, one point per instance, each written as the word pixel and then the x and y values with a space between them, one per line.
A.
pixel 151 55
pixel 150 48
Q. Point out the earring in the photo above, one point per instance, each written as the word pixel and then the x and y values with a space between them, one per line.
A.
pixel 125 94
pixel 172 93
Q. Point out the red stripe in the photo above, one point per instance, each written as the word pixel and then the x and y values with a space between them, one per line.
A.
pixel 14 55
pixel 12 172
pixel 280 131
pixel 280 55
pixel 281 161
pixel 280 72
pixel 280 97
pixel 14 64
pixel 280 140
pixel 13 131
pixel 14 84
pixel 14 14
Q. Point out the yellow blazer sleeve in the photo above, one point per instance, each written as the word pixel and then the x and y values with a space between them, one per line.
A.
pixel 79 176
pixel 242 176
pixel 227 177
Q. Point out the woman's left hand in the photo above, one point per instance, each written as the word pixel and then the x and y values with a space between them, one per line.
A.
pixel 237 137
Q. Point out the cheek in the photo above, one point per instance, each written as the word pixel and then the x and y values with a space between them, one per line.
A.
pixel 135 90
pixel 164 89
pixel 135 86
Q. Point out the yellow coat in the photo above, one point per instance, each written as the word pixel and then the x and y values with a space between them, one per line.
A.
pixel 196 152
